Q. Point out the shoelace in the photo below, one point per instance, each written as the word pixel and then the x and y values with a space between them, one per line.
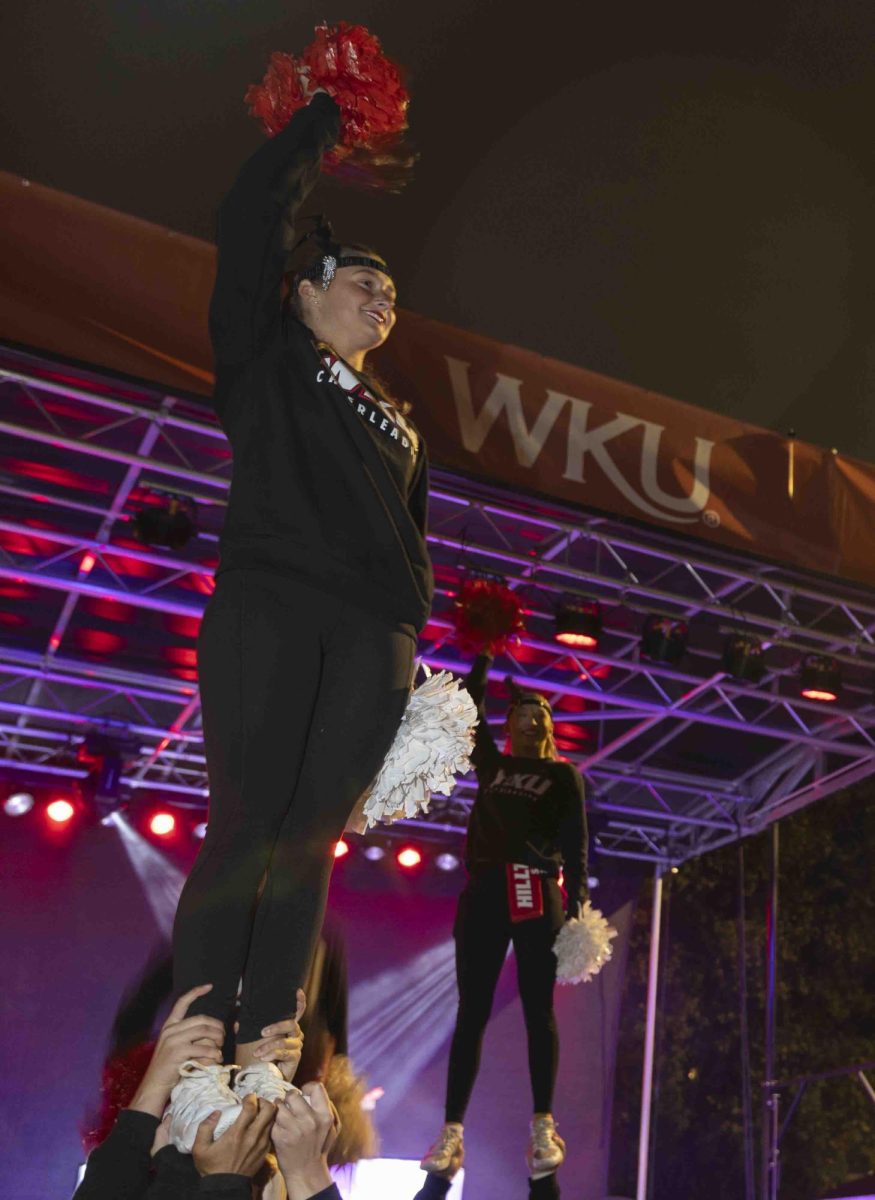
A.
pixel 202 1083
pixel 264 1083
pixel 543 1136
pixel 450 1139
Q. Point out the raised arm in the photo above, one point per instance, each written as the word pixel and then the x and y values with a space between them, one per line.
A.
pixel 485 755
pixel 574 841
pixel 254 231
pixel 119 1168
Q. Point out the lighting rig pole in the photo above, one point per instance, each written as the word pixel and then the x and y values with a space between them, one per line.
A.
pixel 649 1037
pixel 771 1132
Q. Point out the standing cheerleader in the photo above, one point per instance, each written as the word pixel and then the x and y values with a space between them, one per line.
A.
pixel 527 822
pixel 306 650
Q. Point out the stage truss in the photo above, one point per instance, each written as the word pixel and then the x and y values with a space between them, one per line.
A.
pixel 97 631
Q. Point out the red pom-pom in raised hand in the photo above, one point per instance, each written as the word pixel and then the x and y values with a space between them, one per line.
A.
pixel 347 62
pixel 280 94
pixel 487 615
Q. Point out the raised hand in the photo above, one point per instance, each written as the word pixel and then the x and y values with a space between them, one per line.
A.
pixel 282 1042
pixel 181 1038
pixel 303 1133
pixel 242 1147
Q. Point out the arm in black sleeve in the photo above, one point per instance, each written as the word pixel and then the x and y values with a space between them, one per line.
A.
pixel 417 501
pixel 228 1187
pixel 175 1175
pixel 255 234
pixel 119 1168
pixel 573 840
pixel 485 755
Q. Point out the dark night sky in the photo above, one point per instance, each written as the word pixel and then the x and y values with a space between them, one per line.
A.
pixel 675 194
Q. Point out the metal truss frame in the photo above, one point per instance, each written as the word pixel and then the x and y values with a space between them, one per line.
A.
pixel 679 760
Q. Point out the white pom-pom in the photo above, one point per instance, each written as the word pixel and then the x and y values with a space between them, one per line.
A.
pixel 583 946
pixel 432 746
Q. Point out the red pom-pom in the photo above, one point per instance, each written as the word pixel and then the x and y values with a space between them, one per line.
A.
pixel 121 1078
pixel 280 94
pixel 487 615
pixel 349 63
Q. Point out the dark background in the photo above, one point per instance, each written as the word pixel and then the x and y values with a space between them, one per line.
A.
pixel 678 195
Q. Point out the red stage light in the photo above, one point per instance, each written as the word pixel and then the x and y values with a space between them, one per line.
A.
pixel 582 640
pixel 578 623
pixel 87 564
pixel 341 848
pixel 409 857
pixel 162 823
pixel 820 678
pixel 60 811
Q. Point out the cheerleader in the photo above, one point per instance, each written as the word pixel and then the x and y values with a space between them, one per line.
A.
pixel 306 649
pixel 527 824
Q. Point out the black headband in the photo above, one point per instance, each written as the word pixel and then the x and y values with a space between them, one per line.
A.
pixel 328 266
pixel 518 697
pixel 333 257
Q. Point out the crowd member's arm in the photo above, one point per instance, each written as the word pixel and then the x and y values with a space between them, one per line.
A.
pixel 303 1134
pixel 255 231
pixel 573 840
pixel 226 1166
pixel 119 1168
pixel 485 755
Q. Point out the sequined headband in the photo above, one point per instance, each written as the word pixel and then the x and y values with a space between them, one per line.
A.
pixel 328 266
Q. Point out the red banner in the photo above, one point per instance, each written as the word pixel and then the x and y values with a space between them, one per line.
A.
pixel 107 289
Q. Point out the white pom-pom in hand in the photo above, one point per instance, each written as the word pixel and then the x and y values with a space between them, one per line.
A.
pixel 433 745
pixel 583 946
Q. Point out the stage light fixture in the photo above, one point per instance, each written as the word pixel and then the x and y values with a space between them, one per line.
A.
pixel 341 848
pixel 579 624
pixel 820 678
pixel 408 857
pixel 200 831
pixel 170 523
pixel 744 658
pixel 446 862
pixel 374 853
pixel 162 824
pixel 18 804
pixel 60 811
pixel 663 639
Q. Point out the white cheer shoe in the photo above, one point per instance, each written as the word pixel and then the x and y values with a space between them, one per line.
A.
pixel 201 1090
pixel 265 1080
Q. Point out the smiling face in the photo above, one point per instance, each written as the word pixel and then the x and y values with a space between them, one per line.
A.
pixel 354 314
pixel 530 728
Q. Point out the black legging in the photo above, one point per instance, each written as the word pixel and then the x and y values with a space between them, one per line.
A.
pixel 302 694
pixel 482 931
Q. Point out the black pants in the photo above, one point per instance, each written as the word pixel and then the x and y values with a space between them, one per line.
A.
pixel 482 931
pixel 302 694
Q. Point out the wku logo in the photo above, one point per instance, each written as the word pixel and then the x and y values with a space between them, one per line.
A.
pixel 584 443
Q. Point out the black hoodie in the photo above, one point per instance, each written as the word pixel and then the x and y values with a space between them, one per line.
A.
pixel 528 810
pixel 312 493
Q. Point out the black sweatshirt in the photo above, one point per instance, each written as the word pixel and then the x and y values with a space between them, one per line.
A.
pixel 312 494
pixel 528 810
pixel 122 1168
